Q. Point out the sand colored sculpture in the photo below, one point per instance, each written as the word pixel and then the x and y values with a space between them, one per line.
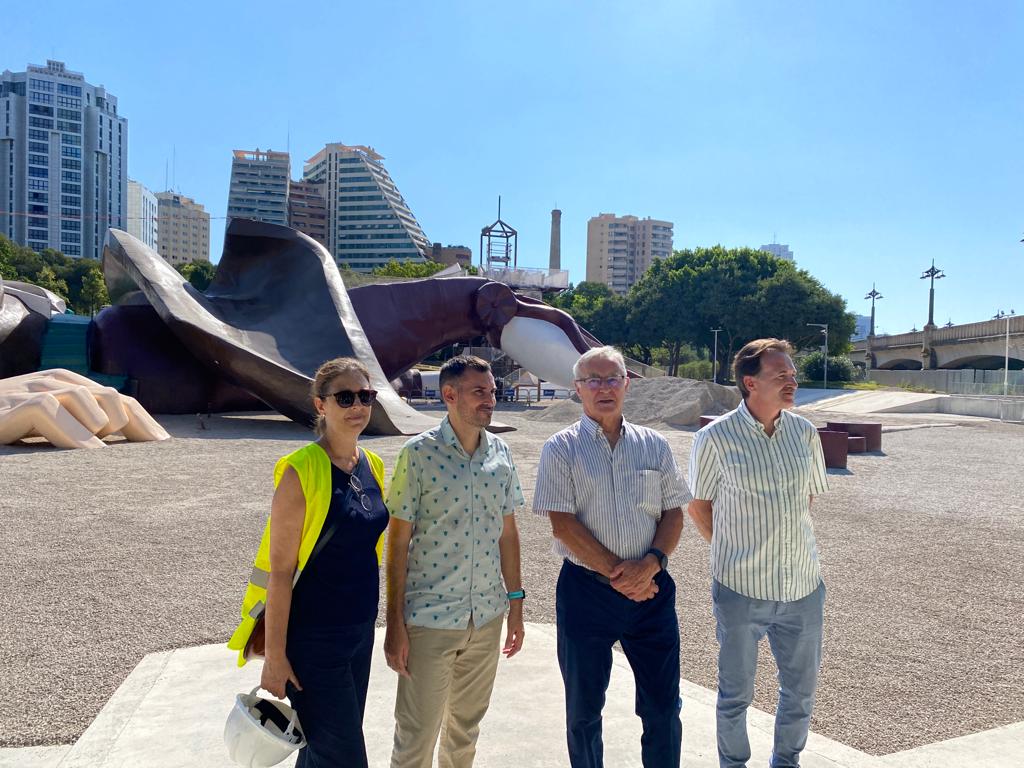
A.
pixel 70 411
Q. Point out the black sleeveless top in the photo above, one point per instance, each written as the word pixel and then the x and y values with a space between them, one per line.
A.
pixel 340 585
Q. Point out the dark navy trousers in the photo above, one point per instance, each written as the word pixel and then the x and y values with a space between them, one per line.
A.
pixel 591 617
pixel 334 671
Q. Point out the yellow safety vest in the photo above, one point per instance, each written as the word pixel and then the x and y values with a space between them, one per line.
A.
pixel 313 467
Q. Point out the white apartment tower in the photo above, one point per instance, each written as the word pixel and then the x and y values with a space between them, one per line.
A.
pixel 63 161
pixel 778 250
pixel 621 248
pixel 368 220
pixel 259 186
pixel 184 228
pixel 142 214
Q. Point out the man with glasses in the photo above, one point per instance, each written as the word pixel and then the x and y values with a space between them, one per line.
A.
pixel 753 473
pixel 453 571
pixel 614 497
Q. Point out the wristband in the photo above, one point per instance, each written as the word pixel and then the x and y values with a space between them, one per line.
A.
pixel 519 594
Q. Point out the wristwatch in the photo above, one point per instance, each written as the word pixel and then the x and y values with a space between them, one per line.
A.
pixel 662 557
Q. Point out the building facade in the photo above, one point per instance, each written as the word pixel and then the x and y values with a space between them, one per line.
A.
pixel 778 250
pixel 63 161
pixel 307 209
pixel 451 254
pixel 143 214
pixel 368 221
pixel 259 186
pixel 184 233
pixel 621 248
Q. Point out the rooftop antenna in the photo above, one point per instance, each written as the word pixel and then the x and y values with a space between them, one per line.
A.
pixel 174 167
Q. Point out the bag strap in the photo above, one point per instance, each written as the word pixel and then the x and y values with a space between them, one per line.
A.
pixel 325 536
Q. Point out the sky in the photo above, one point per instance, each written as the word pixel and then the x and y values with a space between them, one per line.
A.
pixel 871 137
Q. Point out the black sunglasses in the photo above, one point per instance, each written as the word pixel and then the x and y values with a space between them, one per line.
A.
pixel 346 398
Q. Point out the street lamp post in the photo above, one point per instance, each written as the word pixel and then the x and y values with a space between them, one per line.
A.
pixel 824 357
pixel 932 274
pixel 714 368
pixel 1006 359
pixel 873 295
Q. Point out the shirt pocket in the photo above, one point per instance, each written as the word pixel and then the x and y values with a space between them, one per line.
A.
pixel 649 492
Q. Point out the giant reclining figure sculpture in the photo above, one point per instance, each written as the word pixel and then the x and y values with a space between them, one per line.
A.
pixel 277 308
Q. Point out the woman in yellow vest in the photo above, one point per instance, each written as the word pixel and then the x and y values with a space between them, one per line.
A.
pixel 320 627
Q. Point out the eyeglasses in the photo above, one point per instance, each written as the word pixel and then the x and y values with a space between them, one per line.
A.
pixel 346 398
pixel 357 488
pixel 595 383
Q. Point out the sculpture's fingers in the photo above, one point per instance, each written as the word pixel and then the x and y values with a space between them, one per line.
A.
pixel 141 426
pixel 45 416
pixel 98 411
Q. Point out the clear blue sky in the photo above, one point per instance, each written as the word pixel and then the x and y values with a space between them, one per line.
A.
pixel 871 137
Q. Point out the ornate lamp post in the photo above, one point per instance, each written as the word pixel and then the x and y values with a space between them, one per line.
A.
pixel 932 274
pixel 873 295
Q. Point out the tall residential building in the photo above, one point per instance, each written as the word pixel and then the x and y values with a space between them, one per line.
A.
pixel 779 250
pixel 368 220
pixel 621 248
pixel 184 228
pixel 142 214
pixel 307 209
pixel 63 160
pixel 259 186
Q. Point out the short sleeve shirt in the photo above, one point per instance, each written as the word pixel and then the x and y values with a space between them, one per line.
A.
pixel 762 542
pixel 618 495
pixel 457 505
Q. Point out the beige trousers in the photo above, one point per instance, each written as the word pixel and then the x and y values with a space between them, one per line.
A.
pixel 452 675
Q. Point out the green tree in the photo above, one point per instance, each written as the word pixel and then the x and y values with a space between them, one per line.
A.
pixel 93 295
pixel 749 294
pixel 840 368
pixel 198 272
pixel 48 279
pixel 411 269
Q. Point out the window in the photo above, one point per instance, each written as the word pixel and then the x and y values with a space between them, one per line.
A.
pixel 39 173
pixel 69 127
pixel 71 189
pixel 40 122
pixel 71 165
pixel 70 176
pixel 71 237
pixel 38 197
pixel 66 101
pixel 40 85
pixel 69 200
pixel 71 152
pixel 72 250
pixel 70 212
pixel 36 109
pixel 38 159
pixel 38 234
pixel 69 90
pixel 38 135
pixel 41 184
pixel 71 226
pixel 34 222
pixel 37 146
pixel 73 140
pixel 40 98
pixel 69 114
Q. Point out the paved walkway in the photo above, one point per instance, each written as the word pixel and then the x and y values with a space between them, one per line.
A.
pixel 170 713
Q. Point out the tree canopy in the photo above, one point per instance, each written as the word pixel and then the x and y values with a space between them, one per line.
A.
pixel 199 272
pixel 65 276
pixel 413 269
pixel 747 293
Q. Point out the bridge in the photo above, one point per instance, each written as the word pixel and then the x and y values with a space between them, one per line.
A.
pixel 980 346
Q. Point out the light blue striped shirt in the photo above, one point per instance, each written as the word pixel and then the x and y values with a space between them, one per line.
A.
pixel 618 495
pixel 762 542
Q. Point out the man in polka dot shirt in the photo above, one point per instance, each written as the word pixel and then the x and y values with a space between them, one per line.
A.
pixel 452 572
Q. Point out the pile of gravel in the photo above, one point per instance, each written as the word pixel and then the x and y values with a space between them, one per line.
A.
pixel 664 400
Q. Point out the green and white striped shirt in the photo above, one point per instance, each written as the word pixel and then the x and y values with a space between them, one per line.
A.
pixel 762 544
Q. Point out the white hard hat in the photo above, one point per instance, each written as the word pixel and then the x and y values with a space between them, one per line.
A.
pixel 261 732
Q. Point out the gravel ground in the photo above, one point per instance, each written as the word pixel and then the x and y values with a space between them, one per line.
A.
pixel 113 554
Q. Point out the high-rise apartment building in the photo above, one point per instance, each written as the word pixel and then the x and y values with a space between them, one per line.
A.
pixel 259 186
pixel 779 250
pixel 184 228
pixel 307 209
pixel 621 248
pixel 143 214
pixel 63 160
pixel 368 220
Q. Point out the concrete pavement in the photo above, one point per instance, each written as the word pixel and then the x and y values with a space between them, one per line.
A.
pixel 170 713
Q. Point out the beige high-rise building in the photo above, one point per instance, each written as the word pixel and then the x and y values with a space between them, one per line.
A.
pixel 184 228
pixel 621 248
